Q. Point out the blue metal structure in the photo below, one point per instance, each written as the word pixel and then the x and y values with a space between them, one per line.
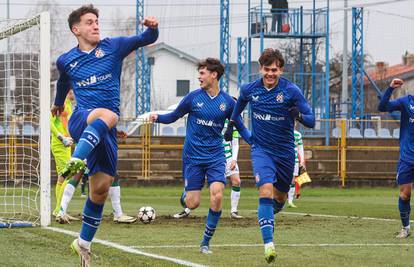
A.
pixel 242 71
pixel 357 63
pixel 142 69
pixel 308 28
pixel 225 43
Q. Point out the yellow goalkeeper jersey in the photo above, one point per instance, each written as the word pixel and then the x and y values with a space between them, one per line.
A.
pixel 59 124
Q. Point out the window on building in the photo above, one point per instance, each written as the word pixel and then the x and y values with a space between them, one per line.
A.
pixel 183 87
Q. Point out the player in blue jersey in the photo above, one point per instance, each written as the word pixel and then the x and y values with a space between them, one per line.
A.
pixel 93 70
pixel 405 169
pixel 275 104
pixel 203 155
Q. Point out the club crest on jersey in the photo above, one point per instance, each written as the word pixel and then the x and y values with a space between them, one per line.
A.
pixel 255 98
pixel 279 97
pixel 99 53
pixel 222 107
pixel 411 107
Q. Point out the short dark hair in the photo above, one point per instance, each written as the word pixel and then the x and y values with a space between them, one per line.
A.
pixel 270 55
pixel 212 64
pixel 76 15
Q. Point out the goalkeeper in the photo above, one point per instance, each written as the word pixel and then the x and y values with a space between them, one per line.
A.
pixel 61 143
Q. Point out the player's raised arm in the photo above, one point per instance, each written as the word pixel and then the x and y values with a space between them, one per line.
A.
pixel 131 43
pixel 385 103
pixel 301 110
pixel 62 89
pixel 183 108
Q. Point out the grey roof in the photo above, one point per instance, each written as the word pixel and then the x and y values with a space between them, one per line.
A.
pixel 149 50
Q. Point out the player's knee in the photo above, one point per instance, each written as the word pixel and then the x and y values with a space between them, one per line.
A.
pixel 236 182
pixel 405 196
pixel 281 197
pixel 192 203
pixel 110 118
pixel 216 197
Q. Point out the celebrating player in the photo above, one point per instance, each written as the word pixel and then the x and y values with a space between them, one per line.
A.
pixel 93 69
pixel 405 169
pixel 275 105
pixel 203 153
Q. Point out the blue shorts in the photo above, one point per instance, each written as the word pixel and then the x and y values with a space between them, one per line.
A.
pixel 104 157
pixel 405 173
pixel 268 168
pixel 195 174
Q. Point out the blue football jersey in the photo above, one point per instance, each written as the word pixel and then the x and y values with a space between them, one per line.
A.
pixel 95 76
pixel 272 124
pixel 405 105
pixel 206 117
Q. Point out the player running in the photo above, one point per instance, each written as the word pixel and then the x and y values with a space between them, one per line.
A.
pixel 275 105
pixel 405 168
pixel 203 153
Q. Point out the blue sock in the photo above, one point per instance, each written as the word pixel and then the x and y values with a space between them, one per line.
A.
pixel 90 138
pixel 182 199
pixel 266 219
pixel 91 219
pixel 212 220
pixel 405 208
pixel 277 206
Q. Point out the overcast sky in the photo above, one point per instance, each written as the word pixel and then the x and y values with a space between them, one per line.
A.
pixel 193 25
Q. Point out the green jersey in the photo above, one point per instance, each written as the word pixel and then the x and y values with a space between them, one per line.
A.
pixel 228 151
pixel 298 149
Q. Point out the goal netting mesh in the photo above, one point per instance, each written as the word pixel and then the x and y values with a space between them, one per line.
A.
pixel 24 118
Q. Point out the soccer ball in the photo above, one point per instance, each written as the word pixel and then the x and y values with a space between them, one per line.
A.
pixel 146 214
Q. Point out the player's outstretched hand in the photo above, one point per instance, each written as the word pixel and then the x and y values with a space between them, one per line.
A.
pixel 57 110
pixel 396 83
pixel 153 117
pixel 228 134
pixel 121 134
pixel 150 22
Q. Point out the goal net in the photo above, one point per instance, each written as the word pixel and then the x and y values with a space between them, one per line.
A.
pixel 24 122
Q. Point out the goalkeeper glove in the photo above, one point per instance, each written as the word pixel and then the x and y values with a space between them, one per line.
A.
pixel 67 141
pixel 228 134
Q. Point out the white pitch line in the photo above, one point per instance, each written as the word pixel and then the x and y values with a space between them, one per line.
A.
pixel 338 216
pixel 128 248
pixel 285 245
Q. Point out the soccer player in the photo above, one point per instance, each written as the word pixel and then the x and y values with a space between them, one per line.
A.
pixel 231 150
pixel 93 70
pixel 203 153
pixel 299 163
pixel 405 169
pixel 61 143
pixel 275 105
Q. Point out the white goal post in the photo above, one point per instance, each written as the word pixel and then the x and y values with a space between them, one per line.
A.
pixel 24 122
